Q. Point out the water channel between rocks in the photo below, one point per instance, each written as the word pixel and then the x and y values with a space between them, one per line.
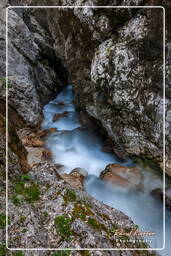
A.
pixel 76 146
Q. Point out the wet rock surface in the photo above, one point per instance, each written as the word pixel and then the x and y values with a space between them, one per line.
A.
pixel 158 194
pixel 124 176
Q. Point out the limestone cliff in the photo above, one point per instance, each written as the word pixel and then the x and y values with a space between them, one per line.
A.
pixel 115 59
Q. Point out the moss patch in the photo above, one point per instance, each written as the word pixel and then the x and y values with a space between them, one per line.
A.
pixel 63 226
pixel 82 211
pixel 92 222
pixel 2 220
pixel 70 196
pixel 19 253
pixel 29 190
pixel 2 250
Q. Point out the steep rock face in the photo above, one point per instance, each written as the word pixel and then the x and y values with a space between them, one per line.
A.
pixel 35 73
pixel 115 58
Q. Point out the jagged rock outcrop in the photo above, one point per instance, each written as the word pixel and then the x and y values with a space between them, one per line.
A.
pixel 35 73
pixel 115 58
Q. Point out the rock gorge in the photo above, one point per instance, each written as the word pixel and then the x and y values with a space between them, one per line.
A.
pixel 113 58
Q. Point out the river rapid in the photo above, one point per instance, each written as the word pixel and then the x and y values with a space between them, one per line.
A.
pixel 74 145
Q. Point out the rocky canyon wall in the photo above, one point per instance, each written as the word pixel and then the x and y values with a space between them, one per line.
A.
pixel 115 59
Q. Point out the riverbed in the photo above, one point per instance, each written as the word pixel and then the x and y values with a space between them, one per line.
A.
pixel 75 145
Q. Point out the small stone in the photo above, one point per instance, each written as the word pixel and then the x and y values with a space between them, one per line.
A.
pixel 58 116
pixel 79 171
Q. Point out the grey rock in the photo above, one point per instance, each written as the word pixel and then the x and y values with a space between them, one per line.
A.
pixel 115 61
pixel 35 74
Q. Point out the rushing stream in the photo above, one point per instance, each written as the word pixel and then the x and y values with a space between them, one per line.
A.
pixel 76 146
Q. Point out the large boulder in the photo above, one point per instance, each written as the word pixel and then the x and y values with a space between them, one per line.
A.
pixel 124 176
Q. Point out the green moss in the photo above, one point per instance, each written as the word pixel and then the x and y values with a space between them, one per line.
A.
pixel 45 214
pixel 16 201
pixel 30 191
pixel 92 222
pixel 63 226
pixel 82 211
pixel 61 253
pixel 25 177
pixel 19 253
pixel 2 220
pixel 2 250
pixel 24 230
pixel 69 196
pixel 84 253
pixel 19 187
pixel 146 162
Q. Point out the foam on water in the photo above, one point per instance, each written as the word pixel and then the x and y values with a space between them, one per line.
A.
pixel 76 146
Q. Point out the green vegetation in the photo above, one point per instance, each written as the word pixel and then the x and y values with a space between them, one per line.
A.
pixel 2 220
pixel 70 196
pixel 32 193
pixel 2 250
pixel 3 81
pixel 63 226
pixel 45 214
pixel 82 211
pixel 29 190
pixel 24 230
pixel 92 222
pixel 16 201
pixel 61 253
pixel 26 177
pixel 146 162
pixel 19 253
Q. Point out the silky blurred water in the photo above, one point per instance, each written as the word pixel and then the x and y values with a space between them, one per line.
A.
pixel 76 146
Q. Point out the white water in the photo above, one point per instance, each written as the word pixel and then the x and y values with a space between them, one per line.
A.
pixel 76 146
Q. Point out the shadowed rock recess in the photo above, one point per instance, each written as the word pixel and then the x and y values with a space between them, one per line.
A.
pixel 114 59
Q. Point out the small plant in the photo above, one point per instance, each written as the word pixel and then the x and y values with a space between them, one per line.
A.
pixel 70 195
pixel 16 201
pixel 19 187
pixel 3 81
pixel 19 253
pixel 85 253
pixel 63 225
pixel 2 220
pixel 45 214
pixel 24 230
pixel 2 250
pixel 94 224
pixel 31 192
pixel 25 177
